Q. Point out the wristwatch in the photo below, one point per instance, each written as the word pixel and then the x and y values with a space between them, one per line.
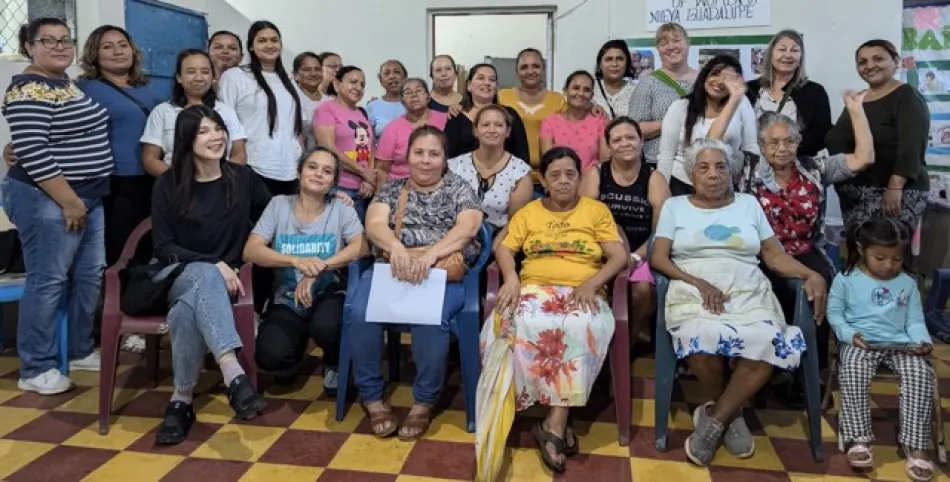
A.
pixel 637 260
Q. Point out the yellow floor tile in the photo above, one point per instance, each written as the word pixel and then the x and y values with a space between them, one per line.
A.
pixel 145 467
pixel 765 457
pixel 91 379
pixel 213 409
pixel 942 369
pixel 123 431
pixel 311 390
pixel 388 455
pixel 9 364
pixel 601 439
pixel 16 455
pixel 791 424
pixel 449 426
pixel 12 418
pixel 8 390
pixel 416 478
pixel 402 396
pixel 271 472
pixel 879 387
pixel 649 469
pixel 644 368
pixel 644 414
pixel 822 478
pixel 239 442
pixel 88 402
pixel 322 416
pixel 524 465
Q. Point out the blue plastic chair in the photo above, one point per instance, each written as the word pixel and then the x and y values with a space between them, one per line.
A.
pixel 666 368
pixel 465 326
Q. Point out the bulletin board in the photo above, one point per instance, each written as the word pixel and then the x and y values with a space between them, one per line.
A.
pixel 749 49
pixel 925 64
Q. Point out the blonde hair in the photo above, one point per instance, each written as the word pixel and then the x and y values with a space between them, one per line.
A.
pixel 670 28
pixel 798 78
pixel 89 61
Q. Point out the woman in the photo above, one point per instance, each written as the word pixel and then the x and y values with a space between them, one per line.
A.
pixel 531 101
pixel 502 181
pixel 576 127
pixel 383 110
pixel 53 194
pixel 897 184
pixel 112 76
pixel 308 74
pixel 332 63
pixel 717 108
pixel 194 76
pixel 791 191
pixel 719 304
pixel 444 75
pixel 548 336
pixel 784 88
pixel 309 239
pixel 481 89
pixel 616 79
pixel 634 192
pixel 393 149
pixel 655 93
pixel 268 106
pixel 225 50
pixel 343 127
pixel 438 212
pixel 201 214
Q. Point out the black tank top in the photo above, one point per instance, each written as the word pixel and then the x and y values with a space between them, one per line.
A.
pixel 629 204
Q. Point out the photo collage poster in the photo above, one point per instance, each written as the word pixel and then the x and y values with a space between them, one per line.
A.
pixel 749 49
pixel 925 64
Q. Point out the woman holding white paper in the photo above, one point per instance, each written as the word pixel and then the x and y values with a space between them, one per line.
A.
pixel 438 218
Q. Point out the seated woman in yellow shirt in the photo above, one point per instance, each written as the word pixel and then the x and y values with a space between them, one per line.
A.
pixel 552 326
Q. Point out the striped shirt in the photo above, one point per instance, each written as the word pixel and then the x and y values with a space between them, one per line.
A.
pixel 58 130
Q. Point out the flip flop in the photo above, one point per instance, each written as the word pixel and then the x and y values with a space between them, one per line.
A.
pixel 542 437
pixel 380 418
pixel 920 464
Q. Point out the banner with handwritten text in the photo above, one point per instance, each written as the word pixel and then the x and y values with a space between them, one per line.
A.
pixel 926 65
pixel 709 14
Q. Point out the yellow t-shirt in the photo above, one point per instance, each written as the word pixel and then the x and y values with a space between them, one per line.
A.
pixel 531 117
pixel 561 248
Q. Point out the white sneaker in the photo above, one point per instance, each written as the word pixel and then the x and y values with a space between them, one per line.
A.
pixel 92 363
pixel 51 382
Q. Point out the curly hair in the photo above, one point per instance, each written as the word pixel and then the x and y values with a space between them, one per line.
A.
pixel 89 61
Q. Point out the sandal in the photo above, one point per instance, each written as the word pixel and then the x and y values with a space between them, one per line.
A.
pixel 380 418
pixel 922 465
pixel 571 443
pixel 542 437
pixel 861 456
pixel 418 423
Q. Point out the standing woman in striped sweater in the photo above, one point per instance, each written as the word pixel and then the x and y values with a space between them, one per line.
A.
pixel 53 193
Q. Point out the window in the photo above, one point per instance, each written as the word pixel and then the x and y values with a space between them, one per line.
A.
pixel 14 13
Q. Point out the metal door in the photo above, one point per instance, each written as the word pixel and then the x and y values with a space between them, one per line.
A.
pixel 161 31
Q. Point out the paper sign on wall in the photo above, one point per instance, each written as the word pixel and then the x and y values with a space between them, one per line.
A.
pixel 707 14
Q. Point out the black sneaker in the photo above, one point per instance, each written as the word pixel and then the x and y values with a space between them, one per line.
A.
pixel 179 416
pixel 244 399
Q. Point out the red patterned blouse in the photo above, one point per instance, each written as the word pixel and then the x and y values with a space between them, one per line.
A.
pixel 792 212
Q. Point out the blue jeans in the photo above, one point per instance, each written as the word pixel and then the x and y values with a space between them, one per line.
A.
pixel 58 263
pixel 430 346
pixel 359 202
pixel 200 318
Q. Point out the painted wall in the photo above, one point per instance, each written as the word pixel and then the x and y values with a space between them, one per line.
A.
pixel 464 37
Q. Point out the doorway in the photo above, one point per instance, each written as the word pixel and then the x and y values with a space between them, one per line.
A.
pixel 494 36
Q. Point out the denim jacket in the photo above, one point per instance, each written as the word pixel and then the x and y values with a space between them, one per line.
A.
pixel 822 171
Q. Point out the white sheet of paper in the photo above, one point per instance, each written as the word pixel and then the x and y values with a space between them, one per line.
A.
pixel 394 301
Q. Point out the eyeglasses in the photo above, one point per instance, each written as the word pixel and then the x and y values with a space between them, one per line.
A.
pixel 413 93
pixel 50 42
pixel 786 143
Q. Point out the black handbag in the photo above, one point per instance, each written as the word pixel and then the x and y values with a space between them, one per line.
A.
pixel 11 253
pixel 141 296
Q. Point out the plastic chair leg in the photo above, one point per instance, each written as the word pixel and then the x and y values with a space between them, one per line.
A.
pixel 245 324
pixel 153 344
pixel 804 319
pixel 393 353
pixel 665 369
pixel 344 381
pixel 467 331
pixel 620 371
pixel 109 361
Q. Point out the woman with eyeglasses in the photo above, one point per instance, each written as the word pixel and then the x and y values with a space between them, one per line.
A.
pixel 53 194
pixel 501 180
pixel 392 153
pixel 332 63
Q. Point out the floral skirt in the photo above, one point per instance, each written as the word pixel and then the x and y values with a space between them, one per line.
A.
pixel 751 327
pixel 556 349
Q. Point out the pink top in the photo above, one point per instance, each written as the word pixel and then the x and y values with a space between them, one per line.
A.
pixel 582 136
pixel 394 143
pixel 353 136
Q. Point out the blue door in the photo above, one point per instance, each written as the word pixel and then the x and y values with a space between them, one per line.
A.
pixel 161 31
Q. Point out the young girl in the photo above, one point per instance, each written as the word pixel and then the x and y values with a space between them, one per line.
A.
pixel 874 308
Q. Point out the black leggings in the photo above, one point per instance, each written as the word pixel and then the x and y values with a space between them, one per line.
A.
pixel 283 336
pixel 263 278
pixel 786 297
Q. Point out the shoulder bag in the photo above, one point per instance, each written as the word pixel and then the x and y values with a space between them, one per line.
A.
pixel 453 264
pixel 666 79
pixel 127 95
pixel 141 295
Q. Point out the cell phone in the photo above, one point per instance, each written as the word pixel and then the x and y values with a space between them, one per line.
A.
pixel 887 345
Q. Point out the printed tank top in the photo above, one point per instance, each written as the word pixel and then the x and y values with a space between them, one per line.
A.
pixel 629 204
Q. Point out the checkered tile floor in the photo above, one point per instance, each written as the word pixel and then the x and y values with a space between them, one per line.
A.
pixel 56 438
